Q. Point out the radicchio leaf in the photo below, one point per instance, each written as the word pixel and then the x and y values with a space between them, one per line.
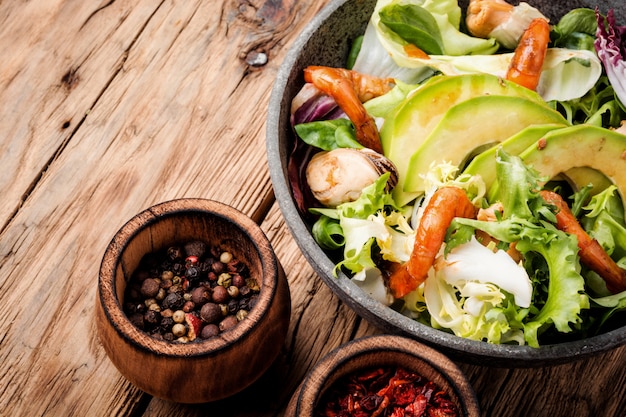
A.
pixel 610 46
pixel 309 105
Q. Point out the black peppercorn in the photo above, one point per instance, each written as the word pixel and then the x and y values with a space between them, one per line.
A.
pixel 166 324
pixel 173 301
pixel 174 253
pixel 137 320
pixel 192 273
pixel 152 317
pixel 233 306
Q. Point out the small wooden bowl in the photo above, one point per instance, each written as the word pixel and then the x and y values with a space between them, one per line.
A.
pixel 214 368
pixel 377 351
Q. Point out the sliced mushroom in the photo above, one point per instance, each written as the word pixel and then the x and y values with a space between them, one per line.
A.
pixel 339 176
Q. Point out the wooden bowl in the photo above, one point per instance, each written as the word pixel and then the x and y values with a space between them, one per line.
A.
pixel 378 351
pixel 326 41
pixel 213 368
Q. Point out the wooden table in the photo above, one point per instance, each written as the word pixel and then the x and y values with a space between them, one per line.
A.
pixel 109 107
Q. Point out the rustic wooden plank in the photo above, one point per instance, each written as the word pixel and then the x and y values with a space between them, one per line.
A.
pixel 53 72
pixel 504 391
pixel 169 112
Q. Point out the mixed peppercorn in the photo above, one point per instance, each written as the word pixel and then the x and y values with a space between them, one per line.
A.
pixel 189 292
pixel 385 392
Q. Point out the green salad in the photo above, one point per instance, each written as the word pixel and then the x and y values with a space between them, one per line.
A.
pixel 523 116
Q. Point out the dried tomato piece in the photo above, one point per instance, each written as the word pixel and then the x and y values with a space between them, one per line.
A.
pixel 386 392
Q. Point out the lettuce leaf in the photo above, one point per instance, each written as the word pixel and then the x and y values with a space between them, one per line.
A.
pixel 371 221
pixel 328 134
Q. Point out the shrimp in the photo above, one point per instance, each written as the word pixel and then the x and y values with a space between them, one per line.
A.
pixel 483 16
pixel 445 204
pixel 591 253
pixel 527 61
pixel 350 89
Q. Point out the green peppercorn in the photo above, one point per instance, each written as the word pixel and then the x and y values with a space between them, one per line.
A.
pixel 225 280
pixel 167 275
pixel 253 284
pixel 241 314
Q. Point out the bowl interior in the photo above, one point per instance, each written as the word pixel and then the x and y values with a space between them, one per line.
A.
pixel 177 222
pixel 392 351
pixel 326 41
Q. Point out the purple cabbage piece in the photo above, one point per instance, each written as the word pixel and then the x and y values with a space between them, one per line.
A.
pixel 315 106
pixel 320 107
pixel 610 45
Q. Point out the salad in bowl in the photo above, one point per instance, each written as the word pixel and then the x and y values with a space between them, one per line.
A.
pixel 465 168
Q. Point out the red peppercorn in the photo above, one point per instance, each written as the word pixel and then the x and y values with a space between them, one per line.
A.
pixel 209 330
pixel 191 260
pixel 211 313
pixel 149 288
pixel 228 323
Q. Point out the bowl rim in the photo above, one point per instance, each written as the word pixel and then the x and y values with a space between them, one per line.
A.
pixel 500 355
pixel 112 307
pixel 369 346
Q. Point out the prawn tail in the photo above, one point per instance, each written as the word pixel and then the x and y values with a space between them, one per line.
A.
pixel 401 282
pixel 529 56
pixel 590 251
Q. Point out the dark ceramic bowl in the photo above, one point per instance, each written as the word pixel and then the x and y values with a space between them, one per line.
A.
pixel 202 370
pixel 377 352
pixel 326 41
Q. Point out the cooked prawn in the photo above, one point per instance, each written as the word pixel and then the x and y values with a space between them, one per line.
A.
pixel 529 55
pixel 444 205
pixel 591 253
pixel 350 89
pixel 483 16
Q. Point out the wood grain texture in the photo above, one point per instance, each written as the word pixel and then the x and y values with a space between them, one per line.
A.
pixel 110 107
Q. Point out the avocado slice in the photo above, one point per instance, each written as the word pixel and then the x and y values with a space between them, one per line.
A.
pixel 409 125
pixel 577 146
pixel 484 164
pixel 582 176
pixel 472 124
